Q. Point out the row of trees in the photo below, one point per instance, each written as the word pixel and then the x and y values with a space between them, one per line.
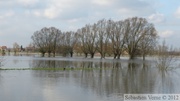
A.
pixel 52 40
pixel 136 36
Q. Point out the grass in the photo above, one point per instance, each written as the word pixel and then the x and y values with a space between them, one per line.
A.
pixel 49 69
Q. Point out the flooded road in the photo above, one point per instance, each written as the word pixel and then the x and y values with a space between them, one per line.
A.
pixel 108 81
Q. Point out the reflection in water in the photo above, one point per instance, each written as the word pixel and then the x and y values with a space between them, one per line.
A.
pixel 70 64
pixel 112 83
pixel 106 83
pixel 0 78
pixel 166 81
pixel 15 61
pixel 138 78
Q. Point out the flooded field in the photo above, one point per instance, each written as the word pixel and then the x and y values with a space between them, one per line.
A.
pixel 107 81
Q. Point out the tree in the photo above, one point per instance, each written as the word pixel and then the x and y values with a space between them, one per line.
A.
pixel 136 30
pixel 92 39
pixel 165 58
pixel 149 41
pixel 117 34
pixel 102 37
pixel 69 42
pixel 55 35
pixel 82 40
pixel 15 48
pixel 88 39
pixel 39 41
pixel 46 40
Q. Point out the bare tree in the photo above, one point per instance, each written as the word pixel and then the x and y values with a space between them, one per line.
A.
pixel 116 32
pixel 102 38
pixel 82 41
pixel 39 41
pixel 87 38
pixel 165 58
pixel 92 39
pixel 46 40
pixel 16 48
pixel 55 35
pixel 135 30
pixel 149 41
pixel 69 42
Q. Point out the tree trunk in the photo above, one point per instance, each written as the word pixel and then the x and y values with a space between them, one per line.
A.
pixel 49 54
pixel 144 57
pixel 42 54
pixel 102 55
pixel 131 56
pixel 119 55
pixel 71 54
pixel 92 55
pixel 54 54
pixel 86 54
pixel 115 55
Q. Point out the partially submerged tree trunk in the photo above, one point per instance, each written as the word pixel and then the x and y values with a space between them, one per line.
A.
pixel 54 54
pixel 131 56
pixel 119 56
pixel 49 54
pixel 92 55
pixel 144 56
pixel 71 54
pixel 86 55
pixel 42 54
pixel 115 55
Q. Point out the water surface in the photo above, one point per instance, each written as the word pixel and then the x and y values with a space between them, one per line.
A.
pixel 108 81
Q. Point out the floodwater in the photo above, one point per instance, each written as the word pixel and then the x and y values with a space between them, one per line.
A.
pixel 108 81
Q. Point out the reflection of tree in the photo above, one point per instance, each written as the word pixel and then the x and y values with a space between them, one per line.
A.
pixel 51 64
pixel 0 78
pixel 44 64
pixel 134 78
pixel 139 78
pixel 15 61
pixel 131 76
pixel 123 78
pixel 94 64
pixel 165 82
pixel 103 81
pixel 116 65
pixel 146 79
pixel 104 64
pixel 71 64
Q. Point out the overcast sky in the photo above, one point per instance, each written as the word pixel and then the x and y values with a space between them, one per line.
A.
pixel 19 19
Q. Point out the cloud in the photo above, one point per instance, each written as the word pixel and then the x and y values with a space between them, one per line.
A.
pixel 129 8
pixel 49 13
pixel 71 9
pixel 166 33
pixel 52 12
pixel 27 2
pixel 102 2
pixel 177 13
pixel 61 9
pixel 7 14
pixel 157 18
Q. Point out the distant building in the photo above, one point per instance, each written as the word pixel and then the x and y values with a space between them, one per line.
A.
pixel 3 48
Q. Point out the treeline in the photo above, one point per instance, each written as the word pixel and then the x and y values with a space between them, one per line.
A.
pixel 135 36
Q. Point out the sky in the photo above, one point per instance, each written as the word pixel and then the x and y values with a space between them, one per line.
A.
pixel 19 19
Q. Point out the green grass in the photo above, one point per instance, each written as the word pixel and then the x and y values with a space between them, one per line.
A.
pixel 60 69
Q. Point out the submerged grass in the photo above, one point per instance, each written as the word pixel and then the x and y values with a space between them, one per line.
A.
pixel 49 69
